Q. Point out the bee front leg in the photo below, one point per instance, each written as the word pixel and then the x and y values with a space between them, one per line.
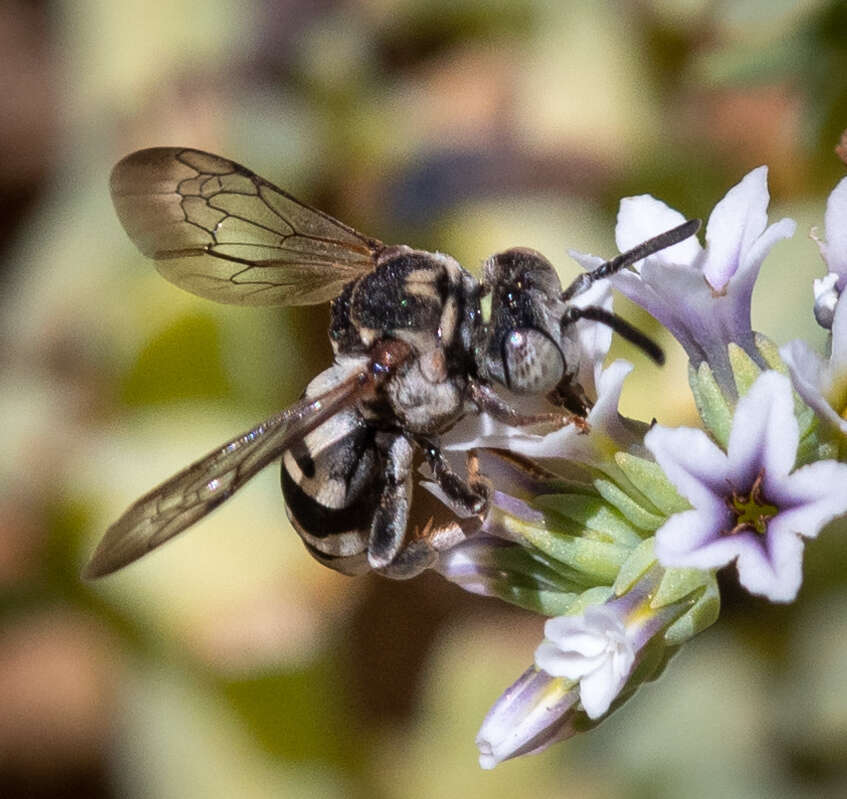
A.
pixel 487 400
pixel 388 527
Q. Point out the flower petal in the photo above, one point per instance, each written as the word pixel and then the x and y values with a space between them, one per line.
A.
pixel 692 539
pixel 598 690
pixel 826 298
pixel 734 225
pixel 692 462
pixel 530 715
pixel 751 259
pixel 810 376
pixel 642 217
pixel 809 498
pixel 838 358
pixel 608 433
pixel 764 433
pixel 835 225
pixel 772 568
pixel 560 663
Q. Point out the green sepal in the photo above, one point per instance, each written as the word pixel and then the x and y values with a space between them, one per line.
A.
pixel 545 603
pixel 650 480
pixel 770 353
pixel 675 586
pixel 599 521
pixel 745 370
pixel 712 406
pixel 635 566
pixel 597 560
pixel 640 517
pixel 702 614
pixel 593 596
pixel 552 603
pixel 527 567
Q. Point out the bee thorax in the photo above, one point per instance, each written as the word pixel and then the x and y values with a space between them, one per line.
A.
pixel 420 404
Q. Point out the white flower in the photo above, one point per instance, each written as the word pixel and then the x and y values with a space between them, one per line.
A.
pixel 749 506
pixel 594 649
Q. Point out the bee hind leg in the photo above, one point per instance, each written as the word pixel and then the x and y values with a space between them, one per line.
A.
pixel 388 527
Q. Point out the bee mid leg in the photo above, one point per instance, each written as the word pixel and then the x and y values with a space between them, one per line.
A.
pixel 468 497
pixel 388 527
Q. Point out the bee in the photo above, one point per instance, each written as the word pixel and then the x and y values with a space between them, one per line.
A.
pixel 413 353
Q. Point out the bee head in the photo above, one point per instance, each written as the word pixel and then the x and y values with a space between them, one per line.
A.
pixel 522 349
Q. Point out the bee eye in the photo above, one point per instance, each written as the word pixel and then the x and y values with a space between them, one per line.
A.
pixel 532 362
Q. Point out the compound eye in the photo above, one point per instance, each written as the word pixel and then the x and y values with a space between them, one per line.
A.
pixel 532 362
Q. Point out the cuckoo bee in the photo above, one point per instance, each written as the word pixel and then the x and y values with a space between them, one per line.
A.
pixel 413 352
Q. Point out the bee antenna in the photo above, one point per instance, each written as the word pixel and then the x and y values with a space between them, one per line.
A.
pixel 660 242
pixel 623 328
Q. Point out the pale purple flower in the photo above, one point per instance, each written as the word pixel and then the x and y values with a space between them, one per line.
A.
pixel 834 251
pixel 702 295
pixel 594 649
pixel 748 504
pixel 534 712
pixel 822 383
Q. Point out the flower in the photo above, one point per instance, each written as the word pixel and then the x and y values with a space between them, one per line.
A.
pixel 594 649
pixel 701 295
pixel 531 714
pixel 609 432
pixel 834 248
pixel 834 251
pixel 585 662
pixel 822 383
pixel 748 504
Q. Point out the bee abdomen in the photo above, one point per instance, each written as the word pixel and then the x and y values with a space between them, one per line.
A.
pixel 331 502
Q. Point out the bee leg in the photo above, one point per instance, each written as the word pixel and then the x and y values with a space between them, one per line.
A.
pixel 388 527
pixel 569 395
pixel 418 556
pixel 487 400
pixel 423 550
pixel 468 497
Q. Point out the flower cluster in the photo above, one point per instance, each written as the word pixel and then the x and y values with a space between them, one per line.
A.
pixel 616 535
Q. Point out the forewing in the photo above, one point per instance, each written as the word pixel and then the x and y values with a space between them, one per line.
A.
pixel 220 231
pixel 192 493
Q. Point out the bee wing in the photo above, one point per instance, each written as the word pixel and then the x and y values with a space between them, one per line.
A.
pixel 218 230
pixel 197 490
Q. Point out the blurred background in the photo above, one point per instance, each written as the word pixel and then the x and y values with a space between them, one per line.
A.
pixel 230 663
